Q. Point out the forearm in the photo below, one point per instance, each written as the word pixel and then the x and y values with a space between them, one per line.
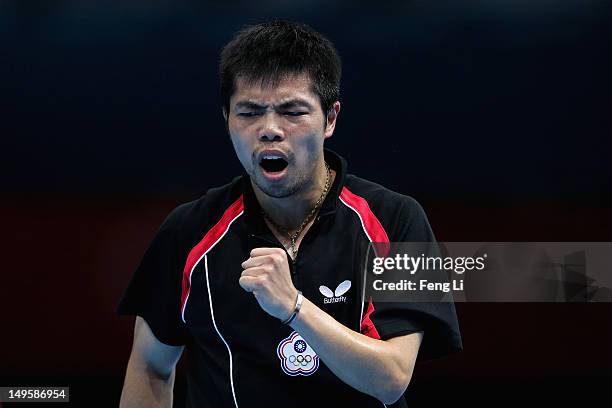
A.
pixel 144 388
pixel 369 365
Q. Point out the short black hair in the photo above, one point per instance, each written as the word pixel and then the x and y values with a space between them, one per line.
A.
pixel 271 51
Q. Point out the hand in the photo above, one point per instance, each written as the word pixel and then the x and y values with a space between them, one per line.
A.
pixel 266 274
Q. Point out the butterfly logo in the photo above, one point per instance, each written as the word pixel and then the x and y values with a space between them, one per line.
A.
pixel 337 295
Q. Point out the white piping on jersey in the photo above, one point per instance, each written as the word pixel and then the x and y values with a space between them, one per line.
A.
pixel 200 258
pixel 364 269
pixel 212 313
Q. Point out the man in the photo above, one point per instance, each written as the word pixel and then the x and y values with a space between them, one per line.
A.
pixel 241 277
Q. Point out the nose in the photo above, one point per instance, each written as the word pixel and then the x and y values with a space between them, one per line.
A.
pixel 270 129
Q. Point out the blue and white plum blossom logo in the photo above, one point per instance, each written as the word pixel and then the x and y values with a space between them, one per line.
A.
pixel 296 356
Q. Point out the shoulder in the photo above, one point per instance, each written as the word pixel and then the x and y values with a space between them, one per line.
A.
pixel 195 216
pixel 401 215
pixel 382 200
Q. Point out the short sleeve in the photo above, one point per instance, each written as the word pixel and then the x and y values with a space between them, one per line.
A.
pixel 154 291
pixel 437 320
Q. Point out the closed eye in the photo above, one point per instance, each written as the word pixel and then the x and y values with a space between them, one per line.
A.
pixel 295 113
pixel 248 114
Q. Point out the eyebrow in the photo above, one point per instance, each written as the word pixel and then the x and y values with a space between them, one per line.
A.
pixel 289 104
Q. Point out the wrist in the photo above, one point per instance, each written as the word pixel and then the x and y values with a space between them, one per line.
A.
pixel 297 305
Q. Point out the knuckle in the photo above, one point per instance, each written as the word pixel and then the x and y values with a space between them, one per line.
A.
pixel 254 284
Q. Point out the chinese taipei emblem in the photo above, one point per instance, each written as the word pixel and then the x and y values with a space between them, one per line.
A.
pixel 296 356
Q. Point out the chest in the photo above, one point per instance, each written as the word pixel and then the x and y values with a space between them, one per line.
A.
pixel 328 270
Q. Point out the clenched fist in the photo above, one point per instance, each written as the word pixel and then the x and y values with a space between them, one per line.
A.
pixel 266 274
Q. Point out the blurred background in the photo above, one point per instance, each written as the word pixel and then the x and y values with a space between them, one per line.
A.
pixel 494 115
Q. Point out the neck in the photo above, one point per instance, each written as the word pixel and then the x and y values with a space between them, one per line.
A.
pixel 289 212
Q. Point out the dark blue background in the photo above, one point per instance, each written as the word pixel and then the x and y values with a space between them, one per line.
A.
pixel 485 100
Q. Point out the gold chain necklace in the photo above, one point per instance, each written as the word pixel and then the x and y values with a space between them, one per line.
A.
pixel 293 237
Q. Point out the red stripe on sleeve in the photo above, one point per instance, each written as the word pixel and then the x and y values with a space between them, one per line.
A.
pixel 367 325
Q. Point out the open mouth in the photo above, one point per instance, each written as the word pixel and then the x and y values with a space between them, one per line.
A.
pixel 273 164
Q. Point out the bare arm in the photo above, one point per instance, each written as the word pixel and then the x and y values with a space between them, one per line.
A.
pixel 149 379
pixel 382 369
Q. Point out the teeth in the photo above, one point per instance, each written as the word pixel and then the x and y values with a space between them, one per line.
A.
pixel 271 156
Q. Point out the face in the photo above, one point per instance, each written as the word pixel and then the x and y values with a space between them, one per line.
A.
pixel 278 133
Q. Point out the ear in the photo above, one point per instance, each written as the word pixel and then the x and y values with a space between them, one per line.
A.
pixel 225 119
pixel 332 117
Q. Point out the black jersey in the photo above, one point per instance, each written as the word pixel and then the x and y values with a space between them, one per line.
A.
pixel 187 290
